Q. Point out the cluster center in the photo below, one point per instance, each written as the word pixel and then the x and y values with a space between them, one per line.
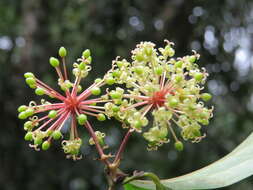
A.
pixel 72 104
pixel 158 98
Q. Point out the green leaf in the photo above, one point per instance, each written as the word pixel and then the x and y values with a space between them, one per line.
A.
pixel 231 169
pixel 132 187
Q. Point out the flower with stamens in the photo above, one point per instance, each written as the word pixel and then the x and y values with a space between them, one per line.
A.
pixel 166 88
pixel 47 121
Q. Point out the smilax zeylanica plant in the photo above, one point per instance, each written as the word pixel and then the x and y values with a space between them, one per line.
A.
pixel 163 90
pixel 47 120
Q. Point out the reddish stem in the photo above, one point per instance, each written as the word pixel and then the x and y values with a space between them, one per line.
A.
pixel 122 146
pixel 61 119
pixel 87 92
pixel 94 137
pixel 50 120
pixel 137 104
pixel 64 68
pixel 49 108
pixel 89 113
pixel 91 109
pixel 50 90
pixel 90 101
pixel 58 70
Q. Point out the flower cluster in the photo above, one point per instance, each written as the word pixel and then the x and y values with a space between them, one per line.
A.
pixel 159 89
pixel 47 121
pixel 166 88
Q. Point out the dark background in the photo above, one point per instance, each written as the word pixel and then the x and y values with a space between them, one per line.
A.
pixel 32 31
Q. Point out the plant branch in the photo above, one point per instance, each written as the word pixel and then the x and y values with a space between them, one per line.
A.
pixel 122 146
pixel 103 157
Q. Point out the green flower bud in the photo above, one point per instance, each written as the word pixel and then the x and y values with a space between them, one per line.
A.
pixel 179 64
pixel 159 70
pixel 68 84
pixel 115 95
pixel 206 96
pixel 196 132
pixel 204 114
pixel 39 91
pixel 54 61
pixel 22 108
pixel 198 76
pixel 139 70
pixel 37 141
pixel 30 81
pixel 79 88
pixel 192 59
pixel 179 78
pixel 100 137
pixel 89 59
pixel 179 146
pixel 148 51
pixel 28 125
pixel 110 80
pixel 120 64
pixel 169 51
pixel 86 53
pixel 29 75
pixel 101 117
pixel 22 115
pixel 98 80
pixel 82 66
pixel 33 86
pixel 118 101
pixel 139 57
pixel 74 151
pixel 82 118
pixel 62 52
pixel 138 124
pixel 115 108
pixel 28 136
pixel 96 91
pixel 173 102
pixel 52 114
pixel 49 132
pixel 204 121
pixel 45 145
pixel 116 73
pixel 29 112
pixel 56 135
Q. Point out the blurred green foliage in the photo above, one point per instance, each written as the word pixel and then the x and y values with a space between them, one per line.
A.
pixel 31 31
